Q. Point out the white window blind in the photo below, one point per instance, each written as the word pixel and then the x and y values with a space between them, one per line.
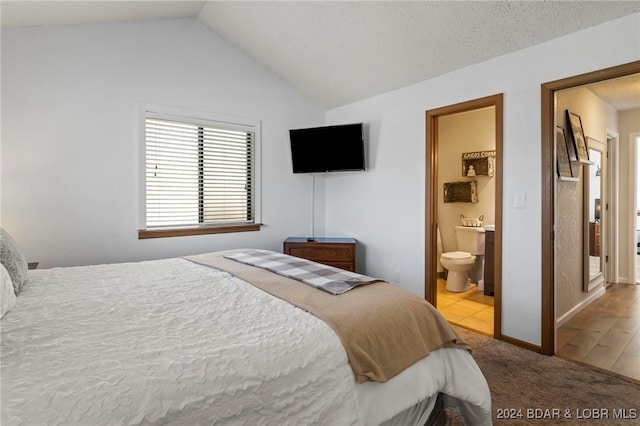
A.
pixel 198 174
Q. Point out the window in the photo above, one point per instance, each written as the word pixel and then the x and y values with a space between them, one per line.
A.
pixel 199 176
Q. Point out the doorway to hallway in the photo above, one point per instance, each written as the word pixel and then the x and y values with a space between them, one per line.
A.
pixel 548 181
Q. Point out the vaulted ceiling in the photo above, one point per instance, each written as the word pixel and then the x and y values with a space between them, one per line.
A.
pixel 337 52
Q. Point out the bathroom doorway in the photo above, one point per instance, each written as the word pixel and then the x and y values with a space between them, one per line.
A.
pixel 488 184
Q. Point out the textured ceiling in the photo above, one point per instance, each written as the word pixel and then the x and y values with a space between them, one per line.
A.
pixel 621 93
pixel 339 52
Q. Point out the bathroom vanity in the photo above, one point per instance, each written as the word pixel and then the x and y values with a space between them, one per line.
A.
pixel 489 244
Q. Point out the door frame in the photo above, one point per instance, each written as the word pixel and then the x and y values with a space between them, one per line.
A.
pixel 548 189
pixel 634 142
pixel 431 199
pixel 613 227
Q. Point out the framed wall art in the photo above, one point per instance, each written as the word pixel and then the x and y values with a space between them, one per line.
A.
pixel 562 156
pixel 577 136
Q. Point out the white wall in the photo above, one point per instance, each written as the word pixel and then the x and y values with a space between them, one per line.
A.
pixel 384 207
pixel 70 142
pixel 628 127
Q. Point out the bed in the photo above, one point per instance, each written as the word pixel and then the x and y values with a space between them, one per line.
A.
pixel 188 341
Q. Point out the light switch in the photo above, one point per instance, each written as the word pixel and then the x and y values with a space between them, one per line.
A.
pixel 520 200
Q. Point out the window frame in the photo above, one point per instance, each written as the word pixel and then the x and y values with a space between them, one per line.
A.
pixel 205 119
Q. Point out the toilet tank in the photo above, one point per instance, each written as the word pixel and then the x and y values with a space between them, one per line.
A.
pixel 470 239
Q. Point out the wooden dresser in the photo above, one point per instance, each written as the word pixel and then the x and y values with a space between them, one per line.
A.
pixel 338 252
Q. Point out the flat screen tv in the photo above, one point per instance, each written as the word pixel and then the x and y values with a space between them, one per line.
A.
pixel 327 149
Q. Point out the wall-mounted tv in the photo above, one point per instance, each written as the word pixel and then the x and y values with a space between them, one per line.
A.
pixel 327 149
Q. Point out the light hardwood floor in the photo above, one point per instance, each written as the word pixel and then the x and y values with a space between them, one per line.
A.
pixel 469 309
pixel 606 334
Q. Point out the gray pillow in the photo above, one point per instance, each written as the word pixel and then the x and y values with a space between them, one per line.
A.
pixel 12 259
pixel 7 294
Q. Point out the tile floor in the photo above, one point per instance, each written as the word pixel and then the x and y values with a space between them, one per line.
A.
pixel 606 334
pixel 470 309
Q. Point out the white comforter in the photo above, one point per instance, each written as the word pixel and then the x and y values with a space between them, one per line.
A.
pixel 173 342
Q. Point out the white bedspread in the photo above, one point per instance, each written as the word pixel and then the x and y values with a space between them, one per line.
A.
pixel 173 342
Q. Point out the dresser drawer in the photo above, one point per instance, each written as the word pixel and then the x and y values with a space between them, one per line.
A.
pixel 340 253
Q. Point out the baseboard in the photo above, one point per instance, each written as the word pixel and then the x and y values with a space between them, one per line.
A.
pixel 521 343
pixel 511 340
pixel 580 306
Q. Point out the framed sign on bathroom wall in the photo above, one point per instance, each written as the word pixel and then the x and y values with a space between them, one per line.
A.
pixel 479 163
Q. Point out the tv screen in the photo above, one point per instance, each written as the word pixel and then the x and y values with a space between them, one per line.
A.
pixel 327 149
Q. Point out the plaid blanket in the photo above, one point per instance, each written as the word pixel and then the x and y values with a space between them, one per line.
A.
pixel 323 277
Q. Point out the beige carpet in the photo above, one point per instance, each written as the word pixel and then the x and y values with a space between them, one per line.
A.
pixel 532 389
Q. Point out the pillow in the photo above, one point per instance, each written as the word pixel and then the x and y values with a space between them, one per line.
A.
pixel 7 294
pixel 11 258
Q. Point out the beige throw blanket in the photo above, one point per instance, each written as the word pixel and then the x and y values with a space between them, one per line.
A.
pixel 384 329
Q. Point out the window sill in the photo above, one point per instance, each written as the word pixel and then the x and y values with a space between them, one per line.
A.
pixel 199 230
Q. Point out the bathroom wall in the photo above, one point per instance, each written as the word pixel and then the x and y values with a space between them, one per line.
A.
pixel 457 133
pixel 597 116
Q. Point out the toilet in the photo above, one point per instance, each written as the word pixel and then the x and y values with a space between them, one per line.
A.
pixel 470 246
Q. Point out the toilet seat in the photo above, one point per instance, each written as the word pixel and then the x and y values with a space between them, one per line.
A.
pixel 456 255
